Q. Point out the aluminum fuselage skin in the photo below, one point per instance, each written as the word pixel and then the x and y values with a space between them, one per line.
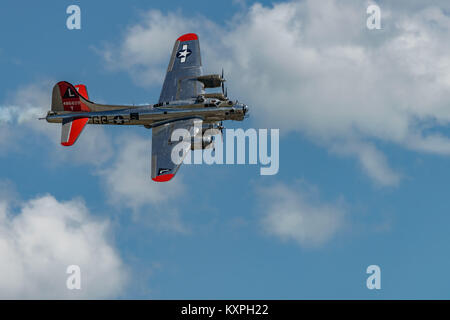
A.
pixel 150 116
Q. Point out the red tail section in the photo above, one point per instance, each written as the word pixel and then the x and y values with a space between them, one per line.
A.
pixel 71 98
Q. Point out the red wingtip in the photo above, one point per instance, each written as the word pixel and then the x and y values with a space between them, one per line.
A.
pixel 188 37
pixel 67 144
pixel 163 177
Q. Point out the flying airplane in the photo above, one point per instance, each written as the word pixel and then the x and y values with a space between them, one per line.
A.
pixel 182 101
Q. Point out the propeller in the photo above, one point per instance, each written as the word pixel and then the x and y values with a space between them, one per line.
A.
pixel 224 90
pixel 221 127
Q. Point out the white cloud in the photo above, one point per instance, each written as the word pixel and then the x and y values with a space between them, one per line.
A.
pixel 290 214
pixel 145 51
pixel 128 179
pixel 129 185
pixel 28 103
pixel 93 147
pixel 314 67
pixel 46 236
pixel 372 161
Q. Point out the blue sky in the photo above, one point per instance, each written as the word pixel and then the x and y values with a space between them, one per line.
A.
pixel 363 154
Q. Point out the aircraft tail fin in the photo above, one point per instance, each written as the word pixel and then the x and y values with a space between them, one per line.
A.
pixel 82 90
pixel 66 97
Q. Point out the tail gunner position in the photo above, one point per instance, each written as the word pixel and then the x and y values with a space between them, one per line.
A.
pixel 182 101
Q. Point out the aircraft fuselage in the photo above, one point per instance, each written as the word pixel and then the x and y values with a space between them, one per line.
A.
pixel 150 116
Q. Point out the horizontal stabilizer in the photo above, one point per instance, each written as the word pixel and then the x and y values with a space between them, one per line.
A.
pixel 71 130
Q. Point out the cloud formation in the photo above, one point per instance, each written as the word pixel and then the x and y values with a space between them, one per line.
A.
pixel 43 238
pixel 313 67
pixel 290 214
pixel 146 46
pixel 123 163
pixel 129 185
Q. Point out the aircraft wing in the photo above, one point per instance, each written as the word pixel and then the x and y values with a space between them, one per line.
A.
pixel 163 168
pixel 185 66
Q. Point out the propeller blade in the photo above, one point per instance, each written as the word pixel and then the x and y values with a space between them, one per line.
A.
pixel 223 80
pixel 224 90
pixel 221 130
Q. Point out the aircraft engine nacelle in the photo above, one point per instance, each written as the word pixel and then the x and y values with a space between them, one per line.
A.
pixel 200 143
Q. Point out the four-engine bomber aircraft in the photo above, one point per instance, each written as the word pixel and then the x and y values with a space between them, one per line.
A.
pixel 183 100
